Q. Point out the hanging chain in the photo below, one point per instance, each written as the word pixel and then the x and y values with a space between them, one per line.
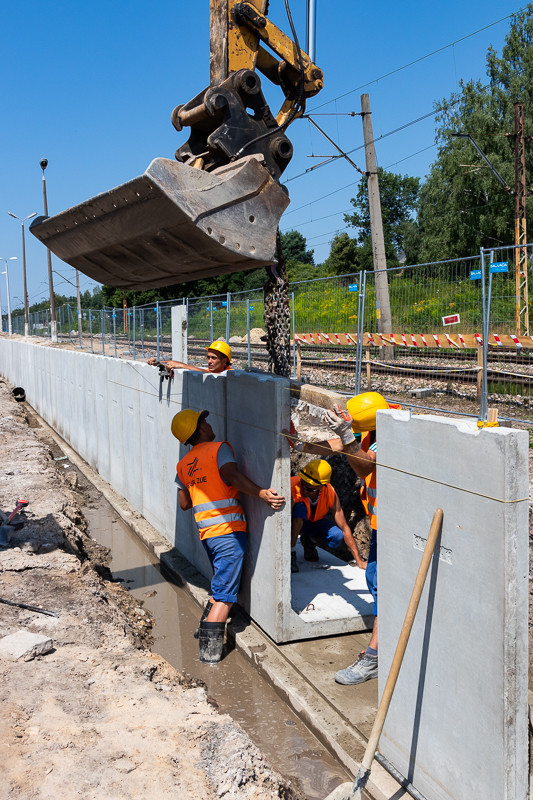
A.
pixel 278 316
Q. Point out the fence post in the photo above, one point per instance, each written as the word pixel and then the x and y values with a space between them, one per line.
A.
pixel 157 327
pixel 80 327
pixel 91 328
pixel 483 350
pixel 293 335
pixel 228 306
pixel 69 325
pixel 133 311
pixel 360 333
pixel 102 332
pixel 115 329
pixel 248 332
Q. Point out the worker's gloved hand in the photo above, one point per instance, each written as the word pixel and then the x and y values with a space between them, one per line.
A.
pixel 340 423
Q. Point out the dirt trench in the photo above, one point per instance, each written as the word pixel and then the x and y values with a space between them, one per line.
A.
pixel 99 715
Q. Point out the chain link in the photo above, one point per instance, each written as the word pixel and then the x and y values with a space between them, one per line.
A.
pixel 278 316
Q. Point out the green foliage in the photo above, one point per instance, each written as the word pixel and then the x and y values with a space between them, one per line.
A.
pixel 344 256
pixel 399 202
pixel 463 208
pixel 294 248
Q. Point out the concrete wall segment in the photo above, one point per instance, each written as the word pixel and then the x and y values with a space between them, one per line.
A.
pixel 95 402
pixel 462 689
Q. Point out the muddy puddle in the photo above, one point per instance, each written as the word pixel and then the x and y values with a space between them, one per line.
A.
pixel 235 686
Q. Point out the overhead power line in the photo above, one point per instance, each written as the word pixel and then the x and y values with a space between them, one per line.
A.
pixel 411 63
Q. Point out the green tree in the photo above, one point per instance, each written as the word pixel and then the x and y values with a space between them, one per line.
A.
pixel 399 204
pixel 462 205
pixel 294 246
pixel 344 256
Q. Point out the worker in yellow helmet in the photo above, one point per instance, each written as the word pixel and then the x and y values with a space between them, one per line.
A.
pixel 317 516
pixel 218 359
pixel 209 483
pixel 355 436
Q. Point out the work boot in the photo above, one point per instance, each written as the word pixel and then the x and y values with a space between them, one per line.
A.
pixel 310 551
pixel 365 668
pixel 211 641
pixel 294 563
pixel 205 613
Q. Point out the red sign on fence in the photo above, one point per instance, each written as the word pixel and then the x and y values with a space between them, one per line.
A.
pixel 451 319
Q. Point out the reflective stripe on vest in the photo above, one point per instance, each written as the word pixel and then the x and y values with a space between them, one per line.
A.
pixel 216 506
pixel 208 523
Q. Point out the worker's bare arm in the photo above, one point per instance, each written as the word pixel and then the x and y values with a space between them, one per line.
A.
pixel 184 499
pixel 296 527
pixel 233 476
pixel 360 462
pixel 340 521
pixel 324 448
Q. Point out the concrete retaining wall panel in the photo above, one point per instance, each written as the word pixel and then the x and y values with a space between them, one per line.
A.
pixel 462 689
pixel 119 397
pixel 254 423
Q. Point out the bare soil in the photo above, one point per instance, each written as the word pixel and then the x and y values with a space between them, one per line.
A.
pixel 100 715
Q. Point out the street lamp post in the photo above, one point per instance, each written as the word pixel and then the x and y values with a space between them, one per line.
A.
pixel 26 305
pixel 6 273
pixel 53 318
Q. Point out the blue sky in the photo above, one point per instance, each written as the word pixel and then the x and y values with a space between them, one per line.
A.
pixel 91 86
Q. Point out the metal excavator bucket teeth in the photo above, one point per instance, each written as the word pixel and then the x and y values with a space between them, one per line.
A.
pixel 170 225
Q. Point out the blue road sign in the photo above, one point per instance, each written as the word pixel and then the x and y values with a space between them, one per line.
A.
pixel 499 266
pixel 353 287
pixel 475 274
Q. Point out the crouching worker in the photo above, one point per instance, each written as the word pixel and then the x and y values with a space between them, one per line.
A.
pixel 317 516
pixel 209 482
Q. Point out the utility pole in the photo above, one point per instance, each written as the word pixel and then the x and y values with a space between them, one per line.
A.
pixel 520 253
pixel 376 223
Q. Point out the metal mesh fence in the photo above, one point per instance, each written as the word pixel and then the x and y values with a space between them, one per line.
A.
pixel 458 339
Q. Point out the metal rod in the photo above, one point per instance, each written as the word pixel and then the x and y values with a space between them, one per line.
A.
pixel 91 328
pixel 210 320
pixel 102 323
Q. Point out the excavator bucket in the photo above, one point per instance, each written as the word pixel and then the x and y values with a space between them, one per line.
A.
pixel 172 224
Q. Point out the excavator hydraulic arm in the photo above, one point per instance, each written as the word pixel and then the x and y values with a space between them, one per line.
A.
pixel 216 208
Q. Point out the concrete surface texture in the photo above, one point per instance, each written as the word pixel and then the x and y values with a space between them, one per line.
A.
pixel 116 414
pixel 457 726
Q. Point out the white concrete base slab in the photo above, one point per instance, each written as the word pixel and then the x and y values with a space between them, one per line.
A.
pixel 329 590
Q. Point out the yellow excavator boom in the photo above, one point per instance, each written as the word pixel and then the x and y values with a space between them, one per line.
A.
pixel 217 207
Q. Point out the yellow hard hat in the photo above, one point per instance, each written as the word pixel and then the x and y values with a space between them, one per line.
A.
pixel 362 409
pixel 185 422
pixel 221 347
pixel 317 472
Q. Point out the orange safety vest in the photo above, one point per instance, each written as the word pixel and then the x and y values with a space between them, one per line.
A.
pixel 216 506
pixel 326 499
pixel 369 495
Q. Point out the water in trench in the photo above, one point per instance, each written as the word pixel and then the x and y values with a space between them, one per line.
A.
pixel 235 686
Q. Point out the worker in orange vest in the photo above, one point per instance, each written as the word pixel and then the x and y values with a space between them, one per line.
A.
pixel 209 482
pixel 218 360
pixel 356 438
pixel 317 516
